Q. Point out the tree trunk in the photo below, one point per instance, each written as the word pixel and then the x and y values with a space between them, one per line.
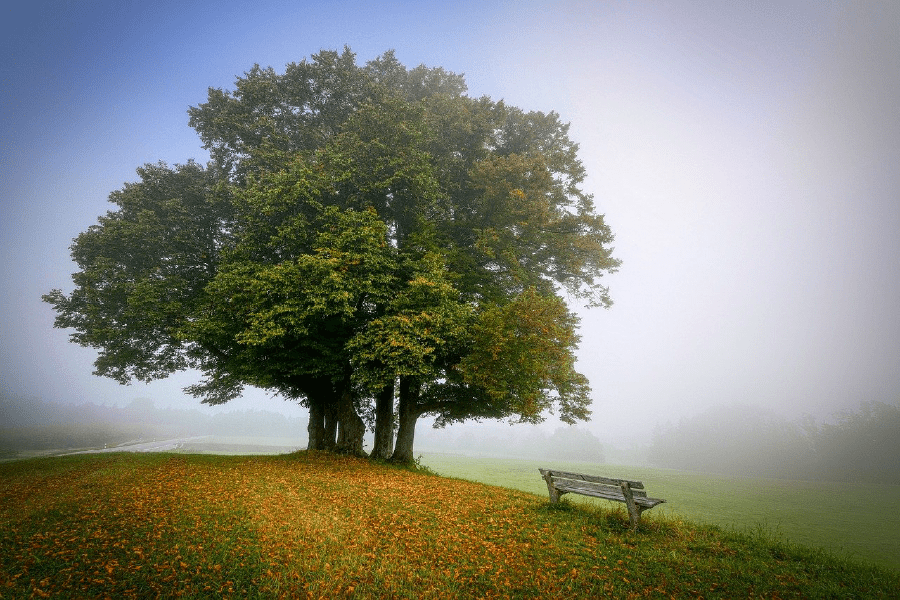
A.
pixel 316 427
pixel 331 424
pixel 351 428
pixel 408 415
pixel 322 421
pixel 384 424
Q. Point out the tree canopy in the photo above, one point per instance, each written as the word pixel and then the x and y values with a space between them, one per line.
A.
pixel 367 240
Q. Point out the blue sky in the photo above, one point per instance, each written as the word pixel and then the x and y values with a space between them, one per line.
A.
pixel 746 157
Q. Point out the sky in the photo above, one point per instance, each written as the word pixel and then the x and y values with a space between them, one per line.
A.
pixel 746 156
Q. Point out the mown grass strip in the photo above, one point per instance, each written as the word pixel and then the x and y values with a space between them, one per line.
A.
pixel 319 525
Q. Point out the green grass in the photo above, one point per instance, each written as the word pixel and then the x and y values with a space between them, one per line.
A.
pixel 323 526
pixel 843 518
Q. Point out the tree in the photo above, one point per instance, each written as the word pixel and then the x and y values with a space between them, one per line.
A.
pixel 734 439
pixel 860 445
pixel 363 236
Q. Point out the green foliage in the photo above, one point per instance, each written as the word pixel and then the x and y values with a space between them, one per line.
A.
pixel 421 328
pixel 143 269
pixel 522 351
pixel 277 325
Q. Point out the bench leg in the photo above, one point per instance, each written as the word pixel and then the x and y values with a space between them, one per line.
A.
pixel 551 489
pixel 634 511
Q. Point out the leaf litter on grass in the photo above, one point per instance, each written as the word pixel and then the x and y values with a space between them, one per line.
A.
pixel 318 525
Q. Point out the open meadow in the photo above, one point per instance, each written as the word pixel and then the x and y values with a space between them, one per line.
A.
pixel 325 526
pixel 842 518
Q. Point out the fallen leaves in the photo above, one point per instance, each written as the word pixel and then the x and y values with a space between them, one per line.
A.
pixel 320 526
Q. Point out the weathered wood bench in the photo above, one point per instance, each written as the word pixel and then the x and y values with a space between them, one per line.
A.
pixel 619 490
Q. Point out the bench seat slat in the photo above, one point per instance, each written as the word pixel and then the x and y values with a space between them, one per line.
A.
pixel 588 485
pixel 582 485
pixel 608 495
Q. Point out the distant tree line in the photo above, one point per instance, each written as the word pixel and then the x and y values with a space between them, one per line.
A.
pixel 566 443
pixel 861 445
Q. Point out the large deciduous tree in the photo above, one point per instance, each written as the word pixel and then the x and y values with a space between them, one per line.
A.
pixel 364 238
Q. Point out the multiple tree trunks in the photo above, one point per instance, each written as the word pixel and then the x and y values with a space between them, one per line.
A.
pixel 630 492
pixel 337 427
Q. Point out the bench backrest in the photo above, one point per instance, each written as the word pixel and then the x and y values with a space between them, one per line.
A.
pixel 591 478
pixel 637 487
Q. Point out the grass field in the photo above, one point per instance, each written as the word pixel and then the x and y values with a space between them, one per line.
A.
pixel 323 526
pixel 843 518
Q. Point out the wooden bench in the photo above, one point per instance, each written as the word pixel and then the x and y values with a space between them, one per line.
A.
pixel 619 490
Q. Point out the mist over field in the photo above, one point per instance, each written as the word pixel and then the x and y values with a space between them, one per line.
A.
pixel 738 440
pixel 29 426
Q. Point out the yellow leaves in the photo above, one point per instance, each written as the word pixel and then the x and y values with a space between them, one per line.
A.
pixel 422 281
pixel 317 523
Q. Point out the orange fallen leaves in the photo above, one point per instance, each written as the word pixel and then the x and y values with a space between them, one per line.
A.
pixel 309 525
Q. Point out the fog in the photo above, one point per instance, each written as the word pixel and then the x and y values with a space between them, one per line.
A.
pixel 746 157
pixel 858 446
pixel 32 427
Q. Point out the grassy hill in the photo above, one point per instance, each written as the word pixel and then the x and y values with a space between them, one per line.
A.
pixel 319 525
